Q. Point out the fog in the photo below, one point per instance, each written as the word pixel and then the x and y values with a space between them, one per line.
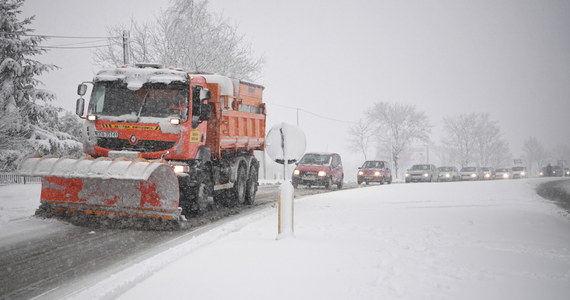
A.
pixel 334 59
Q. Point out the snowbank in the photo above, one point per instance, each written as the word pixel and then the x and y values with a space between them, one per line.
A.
pixel 460 240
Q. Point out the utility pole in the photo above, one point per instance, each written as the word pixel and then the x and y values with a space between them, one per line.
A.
pixel 125 47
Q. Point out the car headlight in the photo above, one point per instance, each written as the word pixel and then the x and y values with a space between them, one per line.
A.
pixel 473 175
pixel 407 175
pixel 297 172
pixel 540 174
pixel 505 175
pixel 447 175
pixel 522 173
pixel 376 173
pixel 426 174
pixel 360 173
pixel 487 175
pixel 322 173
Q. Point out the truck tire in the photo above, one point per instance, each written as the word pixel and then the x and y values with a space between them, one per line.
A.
pixel 239 190
pixel 251 186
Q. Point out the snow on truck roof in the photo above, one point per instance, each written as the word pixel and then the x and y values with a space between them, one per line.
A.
pixel 136 77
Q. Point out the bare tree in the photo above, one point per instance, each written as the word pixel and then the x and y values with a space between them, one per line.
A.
pixel 535 154
pixel 475 139
pixel 360 136
pixel 397 125
pixel 188 36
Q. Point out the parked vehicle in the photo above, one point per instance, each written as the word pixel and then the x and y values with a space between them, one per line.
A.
pixel 470 173
pixel 422 173
pixel 319 169
pixel 488 173
pixel 519 172
pixel 166 143
pixel 448 174
pixel 374 171
pixel 566 172
pixel 503 173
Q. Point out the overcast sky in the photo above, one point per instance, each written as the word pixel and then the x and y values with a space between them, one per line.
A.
pixel 510 58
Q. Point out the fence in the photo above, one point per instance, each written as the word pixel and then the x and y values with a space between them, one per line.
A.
pixel 9 178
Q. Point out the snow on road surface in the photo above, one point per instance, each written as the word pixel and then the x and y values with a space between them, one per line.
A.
pixel 460 240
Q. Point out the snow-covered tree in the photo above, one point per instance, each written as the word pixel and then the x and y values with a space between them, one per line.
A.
pixel 396 126
pixel 186 35
pixel 360 136
pixel 474 139
pixel 534 153
pixel 27 120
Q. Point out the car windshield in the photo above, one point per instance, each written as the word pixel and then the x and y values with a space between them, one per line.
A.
pixel 315 159
pixel 420 167
pixel 469 169
pixel 373 164
pixel 113 98
pixel 502 170
pixel 485 169
pixel 445 169
pixel 518 168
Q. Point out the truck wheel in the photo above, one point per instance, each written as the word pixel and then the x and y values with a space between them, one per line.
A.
pixel 239 189
pixel 251 186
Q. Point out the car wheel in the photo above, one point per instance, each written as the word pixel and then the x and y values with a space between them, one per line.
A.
pixel 328 183
pixel 340 183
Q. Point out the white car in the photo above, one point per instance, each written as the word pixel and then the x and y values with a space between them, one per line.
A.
pixel 503 173
pixel 470 173
pixel 519 172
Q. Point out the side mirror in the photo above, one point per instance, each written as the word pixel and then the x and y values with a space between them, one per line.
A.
pixel 80 106
pixel 205 94
pixel 81 89
pixel 205 112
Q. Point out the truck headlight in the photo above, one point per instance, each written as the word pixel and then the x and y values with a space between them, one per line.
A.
pixel 91 117
pixel 322 173
pixel 297 172
pixel 180 169
pixel 175 121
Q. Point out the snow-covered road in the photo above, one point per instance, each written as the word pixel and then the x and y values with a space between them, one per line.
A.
pixel 460 240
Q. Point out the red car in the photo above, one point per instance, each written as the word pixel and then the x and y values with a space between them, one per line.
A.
pixel 374 171
pixel 319 169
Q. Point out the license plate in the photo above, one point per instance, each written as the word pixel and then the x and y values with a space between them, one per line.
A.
pixel 308 177
pixel 106 134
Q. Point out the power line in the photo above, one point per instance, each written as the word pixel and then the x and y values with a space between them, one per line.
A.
pixel 80 43
pixel 312 113
pixel 79 47
pixel 64 36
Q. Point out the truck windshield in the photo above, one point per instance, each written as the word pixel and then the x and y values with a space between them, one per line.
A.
pixel 113 98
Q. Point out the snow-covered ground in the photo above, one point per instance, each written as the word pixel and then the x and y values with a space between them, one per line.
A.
pixel 460 240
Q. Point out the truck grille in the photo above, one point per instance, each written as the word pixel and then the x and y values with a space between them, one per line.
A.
pixel 141 146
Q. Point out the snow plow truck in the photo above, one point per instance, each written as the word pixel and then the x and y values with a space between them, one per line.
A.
pixel 161 145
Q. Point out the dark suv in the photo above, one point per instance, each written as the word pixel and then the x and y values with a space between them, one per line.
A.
pixel 322 169
pixel 374 171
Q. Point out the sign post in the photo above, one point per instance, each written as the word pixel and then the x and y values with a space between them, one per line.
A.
pixel 285 144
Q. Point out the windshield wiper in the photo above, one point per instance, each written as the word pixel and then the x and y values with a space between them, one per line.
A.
pixel 142 106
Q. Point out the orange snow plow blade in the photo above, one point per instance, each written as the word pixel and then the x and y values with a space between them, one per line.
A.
pixel 105 187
